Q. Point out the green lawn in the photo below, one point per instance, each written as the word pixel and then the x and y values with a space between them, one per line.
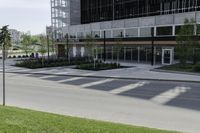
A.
pixel 15 120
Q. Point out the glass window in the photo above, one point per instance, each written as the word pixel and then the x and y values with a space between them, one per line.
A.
pixel 108 34
pixel 80 35
pixel 88 33
pixel 145 32
pixel 118 33
pixel 102 10
pixel 132 32
pixel 96 34
pixel 72 35
pixel 164 31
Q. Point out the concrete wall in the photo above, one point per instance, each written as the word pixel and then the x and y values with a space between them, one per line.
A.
pixel 162 20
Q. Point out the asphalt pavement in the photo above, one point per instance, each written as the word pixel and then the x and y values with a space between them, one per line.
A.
pixel 150 103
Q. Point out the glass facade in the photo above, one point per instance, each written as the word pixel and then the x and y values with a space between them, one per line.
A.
pixel 145 32
pixel 108 34
pixel 118 33
pixel 164 31
pixel 132 32
pixel 96 34
pixel 104 10
pixel 80 35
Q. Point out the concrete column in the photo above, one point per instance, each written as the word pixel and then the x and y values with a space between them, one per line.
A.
pixel 112 54
pixel 131 54
pixel 101 53
pixel 97 56
pixel 174 30
pixel 138 54
pixel 138 32
pixel 106 54
pixel 155 55
pixel 124 53
pixel 146 50
pixel 173 53
pixel 74 51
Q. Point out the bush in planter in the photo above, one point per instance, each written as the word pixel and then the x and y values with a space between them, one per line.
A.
pixel 19 56
pixel 14 56
pixel 196 68
pixel 99 66
pixel 37 63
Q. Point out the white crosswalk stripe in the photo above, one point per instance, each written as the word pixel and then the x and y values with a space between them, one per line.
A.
pixel 47 76
pixel 76 78
pixel 71 79
pixel 127 88
pixel 56 74
pixel 167 96
pixel 96 83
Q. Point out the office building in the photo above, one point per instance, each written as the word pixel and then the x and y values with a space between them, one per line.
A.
pixel 146 28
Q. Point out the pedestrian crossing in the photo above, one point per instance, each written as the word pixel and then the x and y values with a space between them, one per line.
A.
pixel 158 92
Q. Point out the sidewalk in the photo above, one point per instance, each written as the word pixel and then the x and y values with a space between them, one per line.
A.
pixel 137 71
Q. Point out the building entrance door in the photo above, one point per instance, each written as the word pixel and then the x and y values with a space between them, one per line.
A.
pixel 167 56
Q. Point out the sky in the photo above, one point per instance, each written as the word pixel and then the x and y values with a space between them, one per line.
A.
pixel 25 15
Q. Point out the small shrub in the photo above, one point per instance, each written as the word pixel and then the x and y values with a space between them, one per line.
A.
pixel 37 63
pixel 99 66
pixel 196 68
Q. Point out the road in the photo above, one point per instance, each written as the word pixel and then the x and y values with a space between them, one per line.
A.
pixel 157 104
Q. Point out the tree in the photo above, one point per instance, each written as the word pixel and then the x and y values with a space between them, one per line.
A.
pixel 89 46
pixel 68 48
pixel 91 49
pixel 5 41
pixel 42 49
pixel 27 44
pixel 196 45
pixel 186 42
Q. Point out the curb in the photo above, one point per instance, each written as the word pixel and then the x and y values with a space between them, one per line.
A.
pixel 112 77
pixel 175 72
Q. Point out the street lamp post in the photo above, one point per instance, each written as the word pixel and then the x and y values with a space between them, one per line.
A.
pixel 4 81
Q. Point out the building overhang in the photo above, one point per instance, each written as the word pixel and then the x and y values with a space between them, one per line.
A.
pixel 162 41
